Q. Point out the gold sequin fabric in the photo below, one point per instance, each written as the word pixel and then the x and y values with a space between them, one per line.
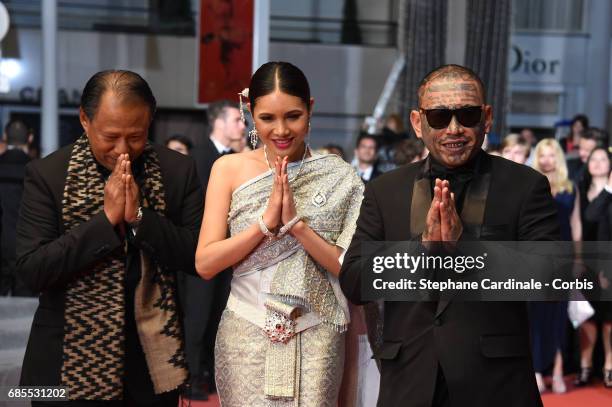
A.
pixel 327 195
pixel 240 352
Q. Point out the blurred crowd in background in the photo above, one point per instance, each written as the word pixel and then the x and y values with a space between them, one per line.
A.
pixel 577 166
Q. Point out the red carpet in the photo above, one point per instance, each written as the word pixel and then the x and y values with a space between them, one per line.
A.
pixel 593 396
pixel 213 401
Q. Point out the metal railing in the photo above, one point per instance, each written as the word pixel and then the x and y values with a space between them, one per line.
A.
pixel 173 18
pixel 177 17
pixel 333 31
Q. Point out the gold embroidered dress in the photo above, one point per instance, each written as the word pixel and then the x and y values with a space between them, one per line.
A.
pixel 280 276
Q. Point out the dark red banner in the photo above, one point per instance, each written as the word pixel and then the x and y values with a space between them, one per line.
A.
pixel 225 49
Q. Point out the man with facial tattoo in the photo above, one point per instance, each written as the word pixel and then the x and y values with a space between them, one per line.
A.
pixel 451 353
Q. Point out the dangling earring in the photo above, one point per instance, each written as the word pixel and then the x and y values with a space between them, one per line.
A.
pixel 307 140
pixel 253 137
pixel 244 93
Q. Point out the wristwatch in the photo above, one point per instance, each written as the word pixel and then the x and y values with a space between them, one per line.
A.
pixel 134 225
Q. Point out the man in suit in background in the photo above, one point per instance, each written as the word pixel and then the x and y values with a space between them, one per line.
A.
pixel 203 301
pixel 105 225
pixel 12 170
pixel 226 127
pixel 448 353
pixel 366 157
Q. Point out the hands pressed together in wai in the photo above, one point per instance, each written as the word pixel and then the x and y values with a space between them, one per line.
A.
pixel 443 223
pixel 121 194
pixel 281 206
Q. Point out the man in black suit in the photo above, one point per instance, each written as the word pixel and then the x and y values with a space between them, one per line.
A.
pixel 105 225
pixel 12 171
pixel 203 301
pixel 227 127
pixel 453 353
pixel 366 156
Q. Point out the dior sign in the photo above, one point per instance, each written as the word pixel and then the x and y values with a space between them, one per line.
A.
pixel 521 60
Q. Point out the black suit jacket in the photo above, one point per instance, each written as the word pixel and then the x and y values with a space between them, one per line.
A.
pixel 12 171
pixel 203 301
pixel 482 348
pixel 575 169
pixel 205 156
pixel 49 257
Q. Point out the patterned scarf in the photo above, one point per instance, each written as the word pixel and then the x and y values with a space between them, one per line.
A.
pixel 94 339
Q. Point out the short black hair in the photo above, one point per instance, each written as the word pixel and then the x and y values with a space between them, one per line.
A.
pixel 364 136
pixel 287 77
pixel 451 71
pixel 17 133
pixel 181 139
pixel 126 84
pixel 217 110
pixel 600 136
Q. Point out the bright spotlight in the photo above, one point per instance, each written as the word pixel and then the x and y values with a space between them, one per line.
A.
pixel 10 68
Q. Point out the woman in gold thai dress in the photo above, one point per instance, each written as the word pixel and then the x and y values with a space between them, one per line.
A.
pixel 291 215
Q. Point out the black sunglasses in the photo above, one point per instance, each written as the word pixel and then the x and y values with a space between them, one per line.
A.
pixel 466 116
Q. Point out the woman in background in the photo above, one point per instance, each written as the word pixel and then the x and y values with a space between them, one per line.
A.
pixel 569 144
pixel 596 199
pixel 515 148
pixel 549 319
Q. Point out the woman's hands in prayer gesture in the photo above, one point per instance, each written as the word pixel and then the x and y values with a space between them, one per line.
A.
pixel 289 212
pixel 272 214
pixel 281 206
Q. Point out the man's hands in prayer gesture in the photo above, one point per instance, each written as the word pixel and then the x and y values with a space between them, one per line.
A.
pixel 121 193
pixel 132 196
pixel 443 223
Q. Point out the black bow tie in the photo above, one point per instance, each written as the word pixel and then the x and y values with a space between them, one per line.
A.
pixel 460 175
pixel 226 152
pixel 455 175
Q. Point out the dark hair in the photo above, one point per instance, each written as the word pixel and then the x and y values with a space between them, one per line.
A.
pixel 407 150
pixel 126 84
pixel 282 75
pixel 587 178
pixel 599 135
pixel 451 71
pixel 364 136
pixel 582 119
pixel 217 110
pixel 602 148
pixel 181 139
pixel 329 147
pixel 16 133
